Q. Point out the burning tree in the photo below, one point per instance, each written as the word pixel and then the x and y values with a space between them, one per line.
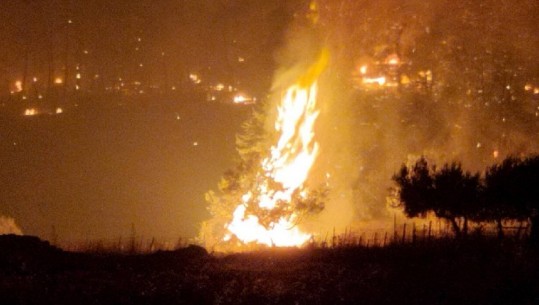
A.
pixel 264 199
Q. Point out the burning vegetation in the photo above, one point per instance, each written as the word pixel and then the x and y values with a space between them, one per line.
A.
pixel 404 81
pixel 268 214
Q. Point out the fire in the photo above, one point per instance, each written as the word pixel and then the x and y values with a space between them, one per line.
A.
pixel 284 171
pixel 375 80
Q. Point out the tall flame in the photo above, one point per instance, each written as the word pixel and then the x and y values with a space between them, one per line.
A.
pixel 288 166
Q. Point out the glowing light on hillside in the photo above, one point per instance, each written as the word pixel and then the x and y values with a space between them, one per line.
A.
pixel 195 78
pixel 393 60
pixel 219 87
pixel 18 86
pixel 58 81
pixel 363 70
pixel 374 80
pixel 242 99
pixel 30 112
pixel 288 165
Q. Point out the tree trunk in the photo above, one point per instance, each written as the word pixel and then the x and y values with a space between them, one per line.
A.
pixel 534 231
pixel 455 226
pixel 500 228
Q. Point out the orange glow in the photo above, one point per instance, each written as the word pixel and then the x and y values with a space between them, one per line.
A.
pixel 374 80
pixel 393 60
pixel 243 99
pixel 363 69
pixel 18 86
pixel 288 164
pixel 58 81
pixel 30 112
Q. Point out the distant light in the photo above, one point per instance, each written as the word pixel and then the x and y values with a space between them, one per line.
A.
pixel 85 51
pixel 24 97
pixel 376 80
pixel 242 99
pixel 478 145
pixel 70 21
pixel 241 59
pixel 18 86
pixel 495 154
pixel 34 79
pixel 59 110
pixel 139 39
pixel 528 87
pixel 178 117
pixel 393 60
pixel 173 88
pixel 30 112
pixel 96 76
pixel 195 143
pixel 40 96
pixel 195 78
pixel 219 87
pixel 141 65
pixel 78 76
pixel 536 91
pixel 77 87
pixel 363 69
pixel 58 81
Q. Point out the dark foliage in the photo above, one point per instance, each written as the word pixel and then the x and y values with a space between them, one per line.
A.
pixel 508 191
pixel 450 193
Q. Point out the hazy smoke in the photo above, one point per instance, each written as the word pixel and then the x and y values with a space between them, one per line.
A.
pixel 475 108
pixel 8 226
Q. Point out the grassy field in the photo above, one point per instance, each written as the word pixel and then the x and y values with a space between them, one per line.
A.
pixel 442 271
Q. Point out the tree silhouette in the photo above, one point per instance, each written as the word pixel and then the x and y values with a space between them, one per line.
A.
pixel 456 195
pixel 450 193
pixel 415 187
pixel 511 192
pixel 500 189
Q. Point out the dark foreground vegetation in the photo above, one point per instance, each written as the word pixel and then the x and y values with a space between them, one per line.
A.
pixel 475 270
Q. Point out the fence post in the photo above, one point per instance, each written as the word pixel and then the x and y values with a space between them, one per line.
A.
pixel 394 227
pixel 404 233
